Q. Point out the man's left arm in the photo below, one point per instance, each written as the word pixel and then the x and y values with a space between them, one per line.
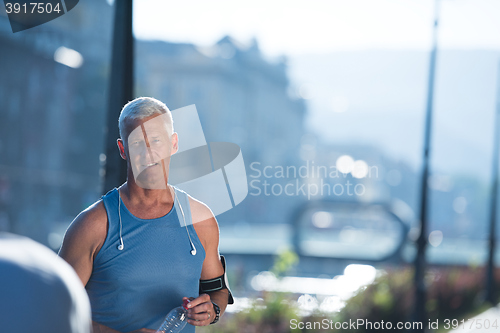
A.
pixel 201 309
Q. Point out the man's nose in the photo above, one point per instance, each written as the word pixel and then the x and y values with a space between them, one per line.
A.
pixel 145 154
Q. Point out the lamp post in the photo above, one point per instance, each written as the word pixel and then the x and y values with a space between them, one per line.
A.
pixel 490 270
pixel 121 85
pixel 420 263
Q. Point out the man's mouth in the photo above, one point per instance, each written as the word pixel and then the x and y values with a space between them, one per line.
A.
pixel 151 164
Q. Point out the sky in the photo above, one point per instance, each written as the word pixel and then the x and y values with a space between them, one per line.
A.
pixel 368 58
pixel 321 26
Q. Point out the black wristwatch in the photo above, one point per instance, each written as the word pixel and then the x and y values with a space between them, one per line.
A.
pixel 217 313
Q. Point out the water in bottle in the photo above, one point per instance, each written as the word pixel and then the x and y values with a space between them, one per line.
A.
pixel 175 320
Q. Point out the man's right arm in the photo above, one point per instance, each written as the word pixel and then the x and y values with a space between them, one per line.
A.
pixel 84 238
pixel 82 241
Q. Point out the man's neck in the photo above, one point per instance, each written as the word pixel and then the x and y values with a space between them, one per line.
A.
pixel 136 195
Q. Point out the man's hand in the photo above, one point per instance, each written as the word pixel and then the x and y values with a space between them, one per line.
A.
pixel 200 310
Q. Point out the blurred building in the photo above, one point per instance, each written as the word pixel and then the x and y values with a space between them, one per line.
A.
pixel 241 97
pixel 53 103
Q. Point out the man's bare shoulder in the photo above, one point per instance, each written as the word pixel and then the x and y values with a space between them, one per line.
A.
pixel 204 222
pixel 200 212
pixel 90 225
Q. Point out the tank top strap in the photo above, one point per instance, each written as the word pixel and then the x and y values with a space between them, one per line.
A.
pixel 184 210
pixel 186 221
pixel 110 200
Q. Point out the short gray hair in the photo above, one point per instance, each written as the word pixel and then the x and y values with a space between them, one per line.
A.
pixel 144 107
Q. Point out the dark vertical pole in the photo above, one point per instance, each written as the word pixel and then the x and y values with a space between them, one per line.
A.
pixel 121 86
pixel 490 273
pixel 420 288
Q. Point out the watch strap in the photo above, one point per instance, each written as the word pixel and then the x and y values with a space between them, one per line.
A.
pixel 217 313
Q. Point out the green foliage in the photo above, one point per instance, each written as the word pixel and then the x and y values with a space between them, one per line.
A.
pixel 285 260
pixel 270 314
pixel 452 293
pixel 389 298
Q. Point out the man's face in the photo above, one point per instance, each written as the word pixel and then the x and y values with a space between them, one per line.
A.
pixel 149 147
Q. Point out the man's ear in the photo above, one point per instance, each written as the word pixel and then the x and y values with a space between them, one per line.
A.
pixel 175 143
pixel 121 148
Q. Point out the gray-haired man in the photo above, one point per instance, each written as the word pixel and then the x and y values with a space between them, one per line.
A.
pixel 145 246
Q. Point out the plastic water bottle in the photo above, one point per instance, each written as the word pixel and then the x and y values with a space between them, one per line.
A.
pixel 175 320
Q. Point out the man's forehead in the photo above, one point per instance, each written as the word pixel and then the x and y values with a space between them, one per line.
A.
pixel 157 124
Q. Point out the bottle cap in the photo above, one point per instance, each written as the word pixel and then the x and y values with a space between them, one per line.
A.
pixel 185 303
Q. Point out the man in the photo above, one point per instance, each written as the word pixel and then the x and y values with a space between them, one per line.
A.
pixel 39 291
pixel 143 248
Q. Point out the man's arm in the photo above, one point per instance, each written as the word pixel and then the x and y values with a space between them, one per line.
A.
pixel 82 241
pixel 201 311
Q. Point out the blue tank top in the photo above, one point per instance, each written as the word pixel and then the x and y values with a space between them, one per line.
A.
pixel 138 286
